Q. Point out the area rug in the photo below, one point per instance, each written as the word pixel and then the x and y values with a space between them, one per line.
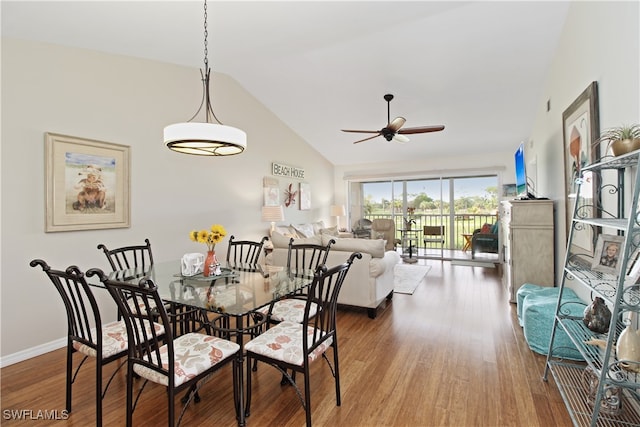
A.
pixel 408 277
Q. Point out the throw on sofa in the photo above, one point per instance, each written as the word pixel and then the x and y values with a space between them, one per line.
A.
pixel 370 279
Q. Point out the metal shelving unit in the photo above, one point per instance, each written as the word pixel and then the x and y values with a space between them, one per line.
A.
pixel 600 392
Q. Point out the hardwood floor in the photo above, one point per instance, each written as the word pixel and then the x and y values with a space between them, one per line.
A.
pixel 451 354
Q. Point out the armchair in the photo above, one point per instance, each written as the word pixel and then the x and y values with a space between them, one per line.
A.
pixel 485 239
pixel 385 228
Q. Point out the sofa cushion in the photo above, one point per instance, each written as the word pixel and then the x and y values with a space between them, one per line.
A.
pixel 287 231
pixel 374 247
pixel 281 241
pixel 304 230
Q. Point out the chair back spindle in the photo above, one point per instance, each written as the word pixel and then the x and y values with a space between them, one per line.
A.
pixel 305 256
pixel 244 251
pixel 126 257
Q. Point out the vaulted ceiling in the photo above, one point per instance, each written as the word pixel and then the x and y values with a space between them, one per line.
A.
pixel 476 67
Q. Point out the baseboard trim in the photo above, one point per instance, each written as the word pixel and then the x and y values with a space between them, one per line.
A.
pixel 32 352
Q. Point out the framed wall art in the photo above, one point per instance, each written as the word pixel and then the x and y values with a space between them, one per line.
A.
pixel 86 183
pixel 581 129
pixel 271 191
pixel 305 196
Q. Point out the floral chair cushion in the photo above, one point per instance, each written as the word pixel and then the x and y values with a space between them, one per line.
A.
pixel 284 342
pixel 194 353
pixel 114 339
pixel 289 310
pixel 131 303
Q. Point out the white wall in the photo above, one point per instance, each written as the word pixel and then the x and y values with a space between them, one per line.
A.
pixel 600 42
pixel 47 88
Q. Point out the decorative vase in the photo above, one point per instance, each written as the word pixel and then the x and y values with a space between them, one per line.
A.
pixel 597 316
pixel 210 263
pixel 611 400
pixel 628 346
pixel 624 146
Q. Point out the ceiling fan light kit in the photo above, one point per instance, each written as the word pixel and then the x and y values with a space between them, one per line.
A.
pixel 205 139
pixel 393 130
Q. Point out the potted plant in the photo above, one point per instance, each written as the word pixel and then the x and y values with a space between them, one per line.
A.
pixel 622 139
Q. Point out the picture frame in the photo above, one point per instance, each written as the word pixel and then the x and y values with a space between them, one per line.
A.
pixel 305 196
pixel 580 132
pixel 606 257
pixel 87 184
pixel 271 188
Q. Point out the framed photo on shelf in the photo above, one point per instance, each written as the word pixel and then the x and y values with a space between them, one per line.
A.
pixel 580 132
pixel 606 257
pixel 87 184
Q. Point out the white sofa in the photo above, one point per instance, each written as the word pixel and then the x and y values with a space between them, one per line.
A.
pixel 370 279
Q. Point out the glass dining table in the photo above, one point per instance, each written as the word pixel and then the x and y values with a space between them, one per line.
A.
pixel 233 298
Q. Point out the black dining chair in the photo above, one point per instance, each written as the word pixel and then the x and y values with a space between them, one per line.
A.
pixel 140 257
pixel 129 257
pixel 244 251
pixel 177 363
pixel 301 257
pixel 86 334
pixel 294 346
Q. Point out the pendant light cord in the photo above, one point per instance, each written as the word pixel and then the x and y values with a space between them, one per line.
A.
pixel 205 74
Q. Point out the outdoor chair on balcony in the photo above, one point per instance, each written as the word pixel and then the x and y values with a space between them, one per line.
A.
pixel 485 239
pixel 434 234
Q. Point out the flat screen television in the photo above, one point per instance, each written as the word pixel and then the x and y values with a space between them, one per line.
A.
pixel 522 189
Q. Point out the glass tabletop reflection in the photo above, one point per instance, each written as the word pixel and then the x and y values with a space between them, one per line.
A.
pixel 239 289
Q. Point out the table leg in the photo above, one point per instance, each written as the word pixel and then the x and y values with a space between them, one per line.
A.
pixel 239 383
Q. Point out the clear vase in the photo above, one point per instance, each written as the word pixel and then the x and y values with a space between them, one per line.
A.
pixel 210 264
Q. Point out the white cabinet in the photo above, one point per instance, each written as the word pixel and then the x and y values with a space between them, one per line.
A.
pixel 528 246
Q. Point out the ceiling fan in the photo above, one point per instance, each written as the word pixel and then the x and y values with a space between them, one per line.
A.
pixel 393 130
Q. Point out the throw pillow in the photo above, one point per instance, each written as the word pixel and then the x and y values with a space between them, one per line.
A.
pixel 304 230
pixel 331 231
pixel 287 231
pixel 494 228
pixel 317 226
pixel 280 241
pixel 486 229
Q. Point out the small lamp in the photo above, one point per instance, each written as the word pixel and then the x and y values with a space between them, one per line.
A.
pixel 272 214
pixel 337 211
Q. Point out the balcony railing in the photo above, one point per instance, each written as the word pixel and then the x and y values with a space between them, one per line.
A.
pixel 460 224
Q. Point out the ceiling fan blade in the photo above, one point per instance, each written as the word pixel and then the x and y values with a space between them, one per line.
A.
pixel 400 138
pixel 366 139
pixel 396 124
pixel 421 129
pixel 360 131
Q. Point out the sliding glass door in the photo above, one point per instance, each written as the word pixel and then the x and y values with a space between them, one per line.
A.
pixel 454 206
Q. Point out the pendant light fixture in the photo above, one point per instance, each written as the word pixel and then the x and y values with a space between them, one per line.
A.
pixel 208 138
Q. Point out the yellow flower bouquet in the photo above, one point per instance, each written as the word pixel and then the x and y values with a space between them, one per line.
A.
pixel 209 237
